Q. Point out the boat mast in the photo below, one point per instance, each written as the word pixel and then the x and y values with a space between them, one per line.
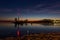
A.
pixel 18 15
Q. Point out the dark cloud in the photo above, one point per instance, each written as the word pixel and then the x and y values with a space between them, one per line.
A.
pixel 30 8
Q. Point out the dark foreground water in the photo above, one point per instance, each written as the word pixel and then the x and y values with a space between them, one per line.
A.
pixel 9 30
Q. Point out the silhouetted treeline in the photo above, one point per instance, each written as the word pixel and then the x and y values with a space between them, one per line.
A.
pixel 27 21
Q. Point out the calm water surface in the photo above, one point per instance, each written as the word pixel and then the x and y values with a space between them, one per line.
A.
pixel 8 29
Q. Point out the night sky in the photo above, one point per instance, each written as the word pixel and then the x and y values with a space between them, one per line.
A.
pixel 32 9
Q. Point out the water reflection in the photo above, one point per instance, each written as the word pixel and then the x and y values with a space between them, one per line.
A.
pixel 11 25
pixel 32 24
pixel 8 29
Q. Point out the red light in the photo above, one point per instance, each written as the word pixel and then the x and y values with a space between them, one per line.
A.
pixel 18 33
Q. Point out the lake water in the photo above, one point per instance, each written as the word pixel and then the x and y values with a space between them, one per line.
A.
pixel 9 29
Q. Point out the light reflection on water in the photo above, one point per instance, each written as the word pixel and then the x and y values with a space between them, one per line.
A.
pixel 8 29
